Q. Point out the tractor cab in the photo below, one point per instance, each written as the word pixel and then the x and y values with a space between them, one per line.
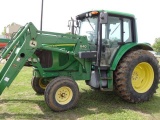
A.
pixel 106 32
pixel 114 31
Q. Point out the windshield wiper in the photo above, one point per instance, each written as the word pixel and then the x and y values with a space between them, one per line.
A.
pixel 115 29
pixel 90 24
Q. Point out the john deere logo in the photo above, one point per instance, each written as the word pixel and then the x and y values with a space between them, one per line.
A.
pixel 33 43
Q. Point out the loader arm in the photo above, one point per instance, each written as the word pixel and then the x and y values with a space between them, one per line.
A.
pixel 25 42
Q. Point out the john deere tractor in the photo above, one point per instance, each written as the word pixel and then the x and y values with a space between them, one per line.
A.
pixel 102 50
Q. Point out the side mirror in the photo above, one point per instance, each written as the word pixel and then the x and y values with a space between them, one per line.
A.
pixel 77 23
pixel 103 18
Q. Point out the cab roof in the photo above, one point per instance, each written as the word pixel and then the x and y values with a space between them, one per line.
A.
pixel 118 13
pixel 83 15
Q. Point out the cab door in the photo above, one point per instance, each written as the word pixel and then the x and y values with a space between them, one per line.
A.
pixel 114 34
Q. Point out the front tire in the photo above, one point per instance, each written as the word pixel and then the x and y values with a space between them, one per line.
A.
pixel 136 76
pixel 62 93
pixel 38 85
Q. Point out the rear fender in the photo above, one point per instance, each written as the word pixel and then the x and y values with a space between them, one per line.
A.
pixel 124 49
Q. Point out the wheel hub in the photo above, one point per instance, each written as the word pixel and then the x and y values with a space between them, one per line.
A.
pixel 64 95
pixel 42 83
pixel 142 77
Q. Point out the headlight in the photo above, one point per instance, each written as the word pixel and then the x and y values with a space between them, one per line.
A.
pixel 87 15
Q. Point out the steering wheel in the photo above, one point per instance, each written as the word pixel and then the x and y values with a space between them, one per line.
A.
pixel 91 35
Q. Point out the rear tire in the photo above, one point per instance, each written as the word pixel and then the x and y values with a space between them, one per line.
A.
pixel 62 93
pixel 136 76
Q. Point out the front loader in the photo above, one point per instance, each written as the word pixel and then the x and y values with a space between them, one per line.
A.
pixel 103 51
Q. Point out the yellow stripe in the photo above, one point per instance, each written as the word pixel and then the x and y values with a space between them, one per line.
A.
pixel 64 45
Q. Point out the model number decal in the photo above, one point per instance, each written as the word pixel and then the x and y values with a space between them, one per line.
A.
pixel 83 46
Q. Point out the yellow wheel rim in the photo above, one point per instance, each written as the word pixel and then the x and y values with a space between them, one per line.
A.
pixel 42 83
pixel 142 77
pixel 64 95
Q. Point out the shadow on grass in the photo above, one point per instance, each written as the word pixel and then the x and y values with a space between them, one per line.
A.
pixel 91 102
pixel 111 103
pixel 20 116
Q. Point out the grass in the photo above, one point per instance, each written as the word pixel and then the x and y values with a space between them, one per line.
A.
pixel 19 101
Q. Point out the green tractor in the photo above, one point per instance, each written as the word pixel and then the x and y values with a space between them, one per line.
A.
pixel 102 50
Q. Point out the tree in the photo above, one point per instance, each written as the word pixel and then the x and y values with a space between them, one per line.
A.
pixel 156 45
pixel 4 31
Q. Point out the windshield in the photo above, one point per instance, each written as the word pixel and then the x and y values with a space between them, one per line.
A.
pixel 88 27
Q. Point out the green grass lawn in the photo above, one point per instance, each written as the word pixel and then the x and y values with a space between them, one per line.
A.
pixel 19 101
